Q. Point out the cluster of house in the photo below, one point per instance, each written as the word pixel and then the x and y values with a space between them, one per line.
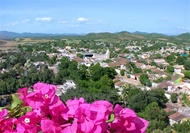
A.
pixel 61 89
pixel 174 85
pixel 119 64
pixel 181 113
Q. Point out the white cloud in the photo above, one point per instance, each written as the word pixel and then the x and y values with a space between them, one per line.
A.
pixel 82 19
pixel 11 24
pixel 183 28
pixel 25 21
pixel 44 19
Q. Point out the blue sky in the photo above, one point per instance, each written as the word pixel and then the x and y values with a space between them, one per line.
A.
pixel 85 16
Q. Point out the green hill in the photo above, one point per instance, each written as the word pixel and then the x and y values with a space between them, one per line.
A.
pixel 184 36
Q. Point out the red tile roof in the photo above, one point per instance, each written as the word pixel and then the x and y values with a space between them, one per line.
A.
pixel 118 62
pixel 177 116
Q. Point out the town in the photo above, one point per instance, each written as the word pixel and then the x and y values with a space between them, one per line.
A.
pixel 115 66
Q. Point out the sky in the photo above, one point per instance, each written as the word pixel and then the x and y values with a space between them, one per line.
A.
pixel 87 16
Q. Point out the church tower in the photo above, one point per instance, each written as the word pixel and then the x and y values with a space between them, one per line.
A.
pixel 107 54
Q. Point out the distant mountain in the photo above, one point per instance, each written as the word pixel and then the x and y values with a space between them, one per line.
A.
pixel 184 36
pixel 140 33
pixel 8 35
pixel 124 35
pixel 11 35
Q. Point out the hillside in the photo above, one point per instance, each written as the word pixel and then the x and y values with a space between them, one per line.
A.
pixel 124 35
pixel 12 35
pixel 184 36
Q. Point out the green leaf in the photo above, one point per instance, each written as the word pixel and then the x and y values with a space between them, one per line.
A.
pixel 25 109
pixel 16 101
pixel 111 118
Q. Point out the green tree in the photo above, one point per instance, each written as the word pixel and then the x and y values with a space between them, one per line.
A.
pixel 156 116
pixel 130 66
pixel 153 64
pixel 128 92
pixel 156 125
pixel 79 55
pixel 122 72
pixel 182 127
pixel 140 101
pixel 106 83
pixel 170 68
pixel 90 96
pixel 157 95
pixel 145 80
pixel 137 70
pixel 174 98
pixel 154 112
pixel 96 72
pixel 158 56
pixel 181 60
pixel 187 65
pixel 170 58
pixel 187 74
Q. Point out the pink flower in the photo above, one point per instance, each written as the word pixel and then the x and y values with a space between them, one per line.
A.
pixel 42 97
pixel 71 128
pixel 47 92
pixel 90 117
pixel 28 123
pixel 100 111
pixel 3 113
pixel 45 87
pixel 7 125
pixel 50 115
pixel 77 110
pixel 23 92
pixel 56 110
pixel 34 100
pixel 49 126
pixel 126 120
pixel 73 105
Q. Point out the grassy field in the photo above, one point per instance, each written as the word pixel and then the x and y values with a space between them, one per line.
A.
pixel 7 44
pixel 31 40
pixel 12 44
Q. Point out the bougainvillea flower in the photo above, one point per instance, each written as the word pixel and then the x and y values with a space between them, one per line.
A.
pixel 73 105
pixel 23 92
pixel 71 128
pixel 49 126
pixel 7 125
pixel 99 111
pixel 47 92
pixel 3 113
pixel 49 114
pixel 55 110
pixel 126 120
pixel 34 100
pixel 28 123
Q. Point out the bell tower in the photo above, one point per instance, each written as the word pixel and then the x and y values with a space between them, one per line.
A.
pixel 108 54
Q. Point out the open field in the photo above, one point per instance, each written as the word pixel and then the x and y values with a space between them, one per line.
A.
pixel 31 40
pixel 7 44
pixel 12 44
